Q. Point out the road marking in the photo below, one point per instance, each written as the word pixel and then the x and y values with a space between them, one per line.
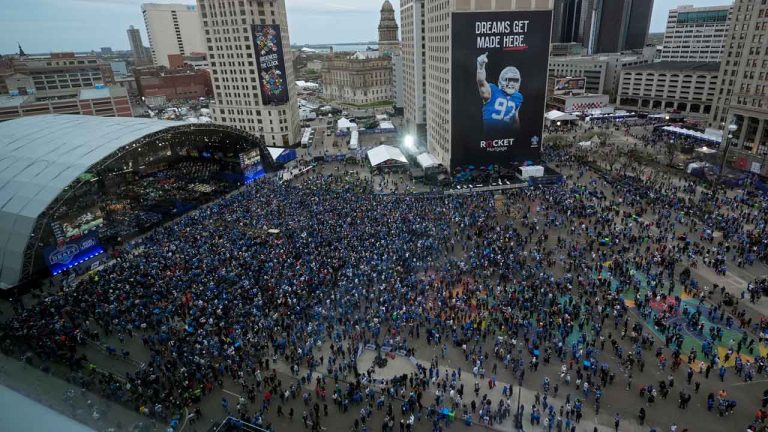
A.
pixel 229 392
pixel 750 382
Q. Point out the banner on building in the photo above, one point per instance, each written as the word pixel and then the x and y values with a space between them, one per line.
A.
pixel 498 86
pixel 571 86
pixel 273 80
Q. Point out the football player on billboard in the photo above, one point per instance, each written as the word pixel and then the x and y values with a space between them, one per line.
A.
pixel 502 101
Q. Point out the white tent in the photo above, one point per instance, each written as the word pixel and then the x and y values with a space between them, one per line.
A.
pixel 556 115
pixel 275 152
pixel 386 155
pixel 353 141
pixel 690 133
pixel 426 160
pixel 345 125
pixel 706 150
pixel 386 125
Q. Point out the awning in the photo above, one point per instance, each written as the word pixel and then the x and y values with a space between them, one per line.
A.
pixel 386 155
pixel 426 160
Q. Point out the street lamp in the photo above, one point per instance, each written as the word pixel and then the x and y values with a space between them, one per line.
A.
pixel 726 144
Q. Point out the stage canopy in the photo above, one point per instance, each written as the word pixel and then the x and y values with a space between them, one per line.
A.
pixel 43 156
pixel 386 155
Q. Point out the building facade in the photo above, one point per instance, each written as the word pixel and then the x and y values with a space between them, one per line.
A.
pixel 742 93
pixel 602 71
pixel 102 102
pixel 398 86
pixel 695 34
pixel 174 84
pixel 60 75
pixel 141 55
pixel 438 63
pixel 228 33
pixel 413 49
pixel 389 43
pixel 172 29
pixel 685 87
pixel 357 79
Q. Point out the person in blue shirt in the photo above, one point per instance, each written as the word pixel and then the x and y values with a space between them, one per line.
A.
pixel 502 101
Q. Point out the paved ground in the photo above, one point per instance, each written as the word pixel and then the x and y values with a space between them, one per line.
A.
pixel 618 399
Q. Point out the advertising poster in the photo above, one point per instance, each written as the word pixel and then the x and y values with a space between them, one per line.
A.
pixel 570 86
pixel 271 63
pixel 499 85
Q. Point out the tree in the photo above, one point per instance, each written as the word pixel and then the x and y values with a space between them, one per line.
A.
pixel 670 151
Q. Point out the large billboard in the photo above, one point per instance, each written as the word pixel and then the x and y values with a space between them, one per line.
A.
pixel 571 86
pixel 498 86
pixel 273 80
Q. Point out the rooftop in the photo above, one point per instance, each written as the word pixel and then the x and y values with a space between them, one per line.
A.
pixel 7 101
pixel 678 66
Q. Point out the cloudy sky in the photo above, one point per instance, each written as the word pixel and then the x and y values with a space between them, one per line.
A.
pixel 82 25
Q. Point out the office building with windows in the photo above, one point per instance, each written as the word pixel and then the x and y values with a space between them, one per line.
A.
pixel 172 29
pixel 742 93
pixel 695 34
pixel 228 29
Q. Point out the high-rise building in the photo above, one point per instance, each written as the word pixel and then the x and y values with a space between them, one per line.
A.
pixel 438 62
pixel 172 29
pixel 742 94
pixel 572 20
pixel 695 33
pixel 140 54
pixel 618 25
pixel 413 49
pixel 389 44
pixel 251 65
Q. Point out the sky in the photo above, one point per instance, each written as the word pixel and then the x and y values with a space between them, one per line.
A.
pixel 82 25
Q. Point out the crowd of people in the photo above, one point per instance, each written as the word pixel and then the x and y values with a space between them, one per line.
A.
pixel 571 291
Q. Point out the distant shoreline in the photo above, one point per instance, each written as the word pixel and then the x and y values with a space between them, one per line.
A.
pixel 299 46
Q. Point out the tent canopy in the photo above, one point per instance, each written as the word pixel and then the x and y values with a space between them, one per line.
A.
pixel 706 150
pixel 426 160
pixel 691 133
pixel 281 155
pixel 345 124
pixel 386 155
pixel 556 115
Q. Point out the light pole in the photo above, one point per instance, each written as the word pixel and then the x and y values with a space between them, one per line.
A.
pixel 726 144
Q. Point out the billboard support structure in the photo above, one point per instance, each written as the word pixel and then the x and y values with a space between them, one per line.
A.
pixel 499 63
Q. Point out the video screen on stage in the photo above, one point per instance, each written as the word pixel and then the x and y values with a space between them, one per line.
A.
pixel 499 84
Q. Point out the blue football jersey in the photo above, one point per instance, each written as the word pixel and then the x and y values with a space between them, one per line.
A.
pixel 499 111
